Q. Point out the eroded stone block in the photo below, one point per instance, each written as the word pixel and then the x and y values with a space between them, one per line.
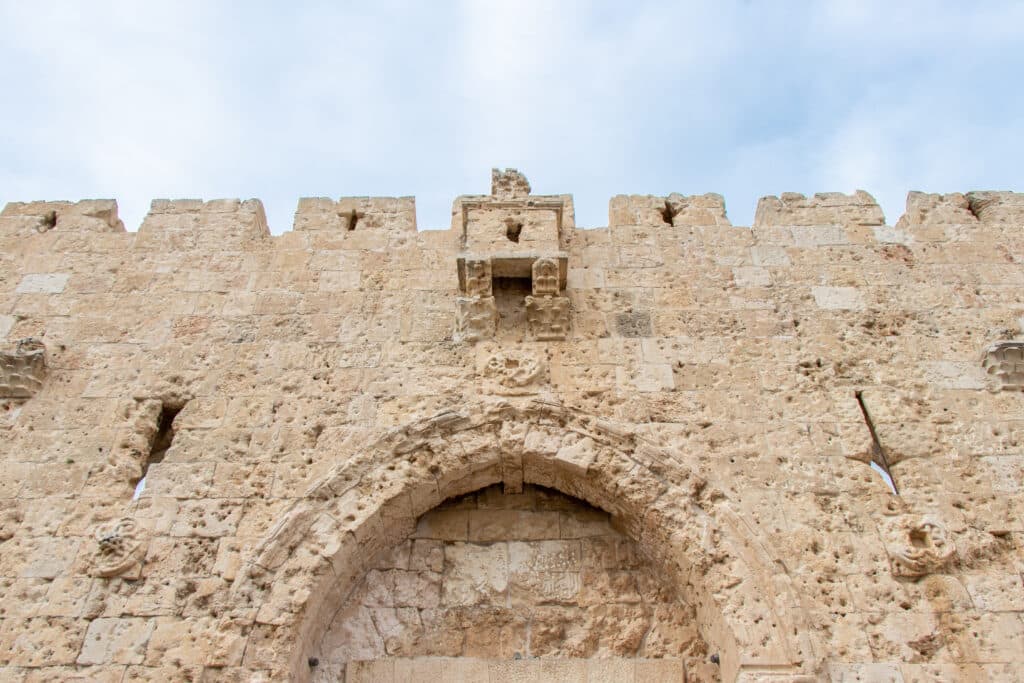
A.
pixel 22 369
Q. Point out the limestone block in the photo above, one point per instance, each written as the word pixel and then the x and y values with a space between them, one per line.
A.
pixel 416 589
pixel 208 518
pixel 824 208
pixel 176 641
pixel 499 525
pixel 995 593
pixel 120 641
pixel 38 557
pixel 66 597
pixel 371 671
pixel 751 276
pixel 553 556
pixel 43 283
pixel 179 480
pixel 838 298
pixel 76 674
pixel 660 670
pixel 610 670
pixel 480 575
pixel 42 641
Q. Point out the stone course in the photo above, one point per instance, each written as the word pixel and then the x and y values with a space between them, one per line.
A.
pixel 226 453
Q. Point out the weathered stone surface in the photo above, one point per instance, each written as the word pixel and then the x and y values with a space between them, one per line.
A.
pixel 225 451
pixel 523 584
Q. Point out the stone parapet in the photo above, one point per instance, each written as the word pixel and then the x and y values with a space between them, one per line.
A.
pixel 824 208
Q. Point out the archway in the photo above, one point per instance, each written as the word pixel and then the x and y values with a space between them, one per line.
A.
pixel 302 572
pixel 505 582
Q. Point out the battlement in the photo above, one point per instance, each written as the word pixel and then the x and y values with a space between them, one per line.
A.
pixel 348 214
pixel 824 208
pixel 674 210
pixel 24 219
pixel 963 209
pixel 247 219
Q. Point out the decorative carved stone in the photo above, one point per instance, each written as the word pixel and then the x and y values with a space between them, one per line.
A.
pixel 509 184
pixel 1005 362
pixel 548 317
pixel 918 546
pixel 22 370
pixel 514 369
pixel 477 277
pixel 119 549
pixel 476 318
pixel 545 277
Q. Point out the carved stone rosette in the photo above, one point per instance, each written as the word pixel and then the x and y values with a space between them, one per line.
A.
pixel 476 314
pixel 1005 362
pixel 515 370
pixel 918 546
pixel 119 549
pixel 22 370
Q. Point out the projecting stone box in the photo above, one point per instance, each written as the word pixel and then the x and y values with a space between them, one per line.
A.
pixel 511 234
pixel 511 228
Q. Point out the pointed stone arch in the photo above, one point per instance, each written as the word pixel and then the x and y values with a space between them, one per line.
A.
pixel 301 572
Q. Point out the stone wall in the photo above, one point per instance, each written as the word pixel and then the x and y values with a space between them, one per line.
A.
pixel 295 403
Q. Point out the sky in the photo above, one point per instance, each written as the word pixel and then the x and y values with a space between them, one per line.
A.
pixel 142 100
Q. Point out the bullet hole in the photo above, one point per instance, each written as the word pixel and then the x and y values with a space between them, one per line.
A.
pixel 313 662
pixel 714 658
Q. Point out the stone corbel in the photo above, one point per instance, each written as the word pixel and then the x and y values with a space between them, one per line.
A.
pixel 476 314
pixel 547 312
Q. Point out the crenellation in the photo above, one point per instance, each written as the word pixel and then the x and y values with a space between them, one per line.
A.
pixel 25 219
pixel 356 214
pixel 823 209
pixel 926 213
pixel 185 225
pixel 673 210
pixel 638 448
pixel 997 207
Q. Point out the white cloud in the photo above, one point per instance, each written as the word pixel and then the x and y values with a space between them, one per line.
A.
pixel 218 99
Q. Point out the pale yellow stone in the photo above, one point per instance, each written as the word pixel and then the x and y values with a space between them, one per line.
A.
pixel 697 383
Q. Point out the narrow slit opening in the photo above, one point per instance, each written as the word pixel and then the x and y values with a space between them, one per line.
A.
pixel 162 440
pixel 353 220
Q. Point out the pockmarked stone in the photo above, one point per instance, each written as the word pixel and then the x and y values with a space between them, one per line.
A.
pixel 664 448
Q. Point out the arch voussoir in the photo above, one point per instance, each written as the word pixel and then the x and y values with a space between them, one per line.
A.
pixel 301 573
